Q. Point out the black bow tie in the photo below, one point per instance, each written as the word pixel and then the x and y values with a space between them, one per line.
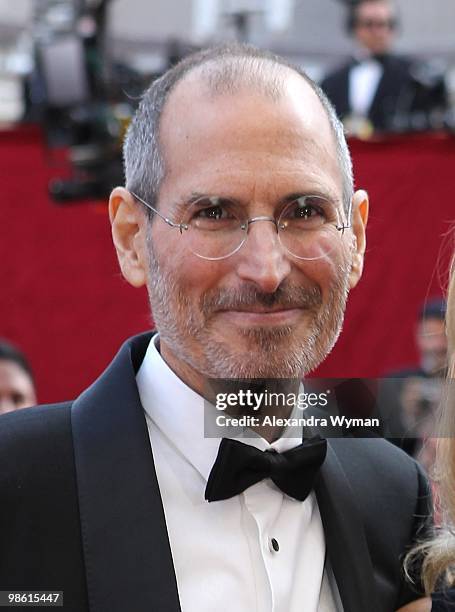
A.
pixel 381 58
pixel 238 466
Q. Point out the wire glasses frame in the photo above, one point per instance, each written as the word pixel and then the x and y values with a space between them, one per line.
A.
pixel 244 226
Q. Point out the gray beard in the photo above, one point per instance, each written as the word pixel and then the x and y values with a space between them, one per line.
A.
pixel 273 353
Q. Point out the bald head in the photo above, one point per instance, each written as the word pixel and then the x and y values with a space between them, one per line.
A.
pixel 244 115
pixel 230 75
pixel 221 71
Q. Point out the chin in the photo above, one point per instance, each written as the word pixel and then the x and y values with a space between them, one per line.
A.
pixel 264 353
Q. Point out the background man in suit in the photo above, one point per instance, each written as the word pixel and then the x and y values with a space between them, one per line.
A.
pixel 378 90
pixel 239 217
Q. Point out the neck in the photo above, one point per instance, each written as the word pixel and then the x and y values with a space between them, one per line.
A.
pixel 191 377
pixel 257 397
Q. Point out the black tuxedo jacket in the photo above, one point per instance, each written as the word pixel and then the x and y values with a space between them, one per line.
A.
pixel 399 95
pixel 81 512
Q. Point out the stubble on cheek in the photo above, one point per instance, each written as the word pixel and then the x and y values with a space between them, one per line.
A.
pixel 195 334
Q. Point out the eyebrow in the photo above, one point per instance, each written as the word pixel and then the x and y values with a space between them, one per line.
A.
pixel 184 202
pixel 315 192
pixel 195 196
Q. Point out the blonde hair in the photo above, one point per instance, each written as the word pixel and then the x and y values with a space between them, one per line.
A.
pixel 438 566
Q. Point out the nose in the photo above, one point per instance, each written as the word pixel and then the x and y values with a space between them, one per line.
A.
pixel 262 259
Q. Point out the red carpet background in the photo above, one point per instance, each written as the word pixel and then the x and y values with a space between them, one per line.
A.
pixel 65 304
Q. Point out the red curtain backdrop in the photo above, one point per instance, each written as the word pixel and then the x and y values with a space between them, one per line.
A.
pixel 65 304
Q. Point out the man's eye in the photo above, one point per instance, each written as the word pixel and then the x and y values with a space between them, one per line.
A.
pixel 212 212
pixel 17 398
pixel 305 211
pixel 308 208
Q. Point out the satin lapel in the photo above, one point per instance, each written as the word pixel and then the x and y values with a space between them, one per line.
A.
pixel 393 96
pixel 126 548
pixel 345 538
pixel 344 107
pixel 380 98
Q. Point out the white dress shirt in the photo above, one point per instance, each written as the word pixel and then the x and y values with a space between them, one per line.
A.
pixel 363 83
pixel 223 553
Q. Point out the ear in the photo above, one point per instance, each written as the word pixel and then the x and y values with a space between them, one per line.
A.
pixel 129 228
pixel 359 221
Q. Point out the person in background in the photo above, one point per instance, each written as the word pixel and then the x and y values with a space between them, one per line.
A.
pixel 431 338
pixel 378 90
pixel 439 553
pixel 17 387
pixel 411 395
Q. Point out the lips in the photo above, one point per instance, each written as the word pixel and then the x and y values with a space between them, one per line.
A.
pixel 261 309
pixel 250 301
pixel 262 316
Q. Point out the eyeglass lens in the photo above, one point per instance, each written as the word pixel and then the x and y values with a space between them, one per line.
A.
pixel 389 24
pixel 215 228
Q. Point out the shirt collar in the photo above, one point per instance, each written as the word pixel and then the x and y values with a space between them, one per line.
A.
pixel 178 412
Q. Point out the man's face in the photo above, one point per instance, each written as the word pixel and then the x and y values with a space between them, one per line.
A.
pixel 260 312
pixel 432 344
pixel 375 26
pixel 16 387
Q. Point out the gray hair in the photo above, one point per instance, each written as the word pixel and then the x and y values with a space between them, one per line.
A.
pixel 224 66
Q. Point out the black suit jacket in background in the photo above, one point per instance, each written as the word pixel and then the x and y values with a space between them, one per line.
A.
pixel 400 95
pixel 81 511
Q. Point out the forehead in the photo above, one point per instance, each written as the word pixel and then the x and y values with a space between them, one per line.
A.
pixel 374 9
pixel 12 376
pixel 246 138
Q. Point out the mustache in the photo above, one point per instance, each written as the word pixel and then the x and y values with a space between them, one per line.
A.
pixel 289 296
